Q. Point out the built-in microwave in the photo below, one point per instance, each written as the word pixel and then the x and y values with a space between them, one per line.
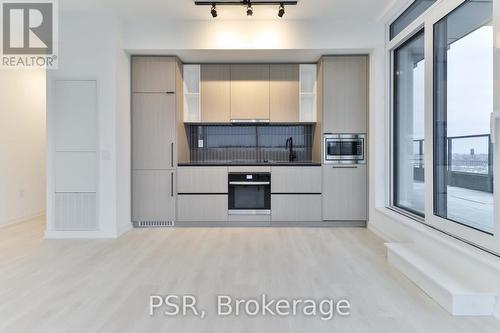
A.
pixel 344 148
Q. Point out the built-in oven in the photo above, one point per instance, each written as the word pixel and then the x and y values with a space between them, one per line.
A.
pixel 344 148
pixel 249 193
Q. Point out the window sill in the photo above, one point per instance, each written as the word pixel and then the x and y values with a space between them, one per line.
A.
pixel 441 238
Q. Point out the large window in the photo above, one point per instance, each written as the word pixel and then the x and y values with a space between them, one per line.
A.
pixel 408 124
pixel 463 102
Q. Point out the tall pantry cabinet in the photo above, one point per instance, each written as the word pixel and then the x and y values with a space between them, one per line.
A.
pixel 345 96
pixel 155 92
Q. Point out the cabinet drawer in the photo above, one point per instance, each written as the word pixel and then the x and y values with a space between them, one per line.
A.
pixel 202 180
pixel 202 208
pixel 296 208
pixel 296 180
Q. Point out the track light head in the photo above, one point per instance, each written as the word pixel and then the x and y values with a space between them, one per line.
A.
pixel 249 9
pixel 213 11
pixel 281 10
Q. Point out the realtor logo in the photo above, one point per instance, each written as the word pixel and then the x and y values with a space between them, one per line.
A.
pixel 28 33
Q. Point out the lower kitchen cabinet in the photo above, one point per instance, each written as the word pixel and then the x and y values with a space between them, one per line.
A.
pixel 296 179
pixel 296 207
pixel 345 193
pixel 202 179
pixel 202 208
pixel 153 195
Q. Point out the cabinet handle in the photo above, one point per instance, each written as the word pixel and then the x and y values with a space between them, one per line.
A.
pixel 171 184
pixel 170 92
pixel 345 167
pixel 172 154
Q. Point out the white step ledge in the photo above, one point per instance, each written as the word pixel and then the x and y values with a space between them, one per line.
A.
pixel 451 289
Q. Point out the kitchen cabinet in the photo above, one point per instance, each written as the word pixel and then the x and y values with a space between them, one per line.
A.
pixel 202 208
pixel 250 91
pixel 284 93
pixel 153 131
pixel 296 208
pixel 345 193
pixel 202 180
pixel 308 108
pixel 153 74
pixel 192 87
pixel 345 94
pixel 296 179
pixel 215 93
pixel 156 109
pixel 153 195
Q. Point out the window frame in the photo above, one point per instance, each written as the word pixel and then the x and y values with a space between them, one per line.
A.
pixel 426 21
pixel 394 182
pixel 407 7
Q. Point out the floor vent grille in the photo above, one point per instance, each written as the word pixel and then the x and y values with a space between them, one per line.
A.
pixel 154 224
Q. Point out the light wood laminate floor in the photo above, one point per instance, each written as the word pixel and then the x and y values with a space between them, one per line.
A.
pixel 104 285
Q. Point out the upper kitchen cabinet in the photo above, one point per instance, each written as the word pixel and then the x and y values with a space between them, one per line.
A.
pixel 192 93
pixel 308 93
pixel 284 93
pixel 215 93
pixel 153 74
pixel 250 93
pixel 345 94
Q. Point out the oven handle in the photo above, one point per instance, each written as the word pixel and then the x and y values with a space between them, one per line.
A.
pixel 249 183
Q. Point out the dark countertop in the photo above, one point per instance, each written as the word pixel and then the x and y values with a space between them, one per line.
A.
pixel 229 163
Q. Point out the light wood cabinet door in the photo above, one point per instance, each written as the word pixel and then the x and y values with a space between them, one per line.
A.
pixel 202 208
pixel 345 95
pixel 345 193
pixel 249 91
pixel 153 131
pixel 296 179
pixel 296 208
pixel 284 93
pixel 215 93
pixel 199 179
pixel 153 74
pixel 153 195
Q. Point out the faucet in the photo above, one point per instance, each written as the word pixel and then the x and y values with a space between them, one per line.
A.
pixel 289 146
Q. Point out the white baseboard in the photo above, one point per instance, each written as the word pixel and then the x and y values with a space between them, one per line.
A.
pixel 22 219
pixel 124 229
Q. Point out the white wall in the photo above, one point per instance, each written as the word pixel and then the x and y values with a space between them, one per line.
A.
pixel 123 141
pixel 22 145
pixel 90 48
pixel 252 34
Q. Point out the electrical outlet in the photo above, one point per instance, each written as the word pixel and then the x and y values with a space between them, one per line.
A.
pixel 200 143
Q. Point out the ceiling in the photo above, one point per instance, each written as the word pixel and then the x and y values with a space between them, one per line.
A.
pixel 186 10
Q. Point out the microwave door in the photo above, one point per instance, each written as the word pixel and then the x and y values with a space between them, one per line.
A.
pixel 333 149
pixel 349 148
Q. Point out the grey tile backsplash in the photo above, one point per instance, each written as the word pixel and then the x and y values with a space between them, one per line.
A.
pixel 248 143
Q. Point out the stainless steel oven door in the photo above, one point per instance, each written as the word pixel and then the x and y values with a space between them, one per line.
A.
pixel 249 197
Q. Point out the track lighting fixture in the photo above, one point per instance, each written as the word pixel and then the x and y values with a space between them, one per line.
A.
pixel 281 10
pixel 249 9
pixel 246 3
pixel 213 11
